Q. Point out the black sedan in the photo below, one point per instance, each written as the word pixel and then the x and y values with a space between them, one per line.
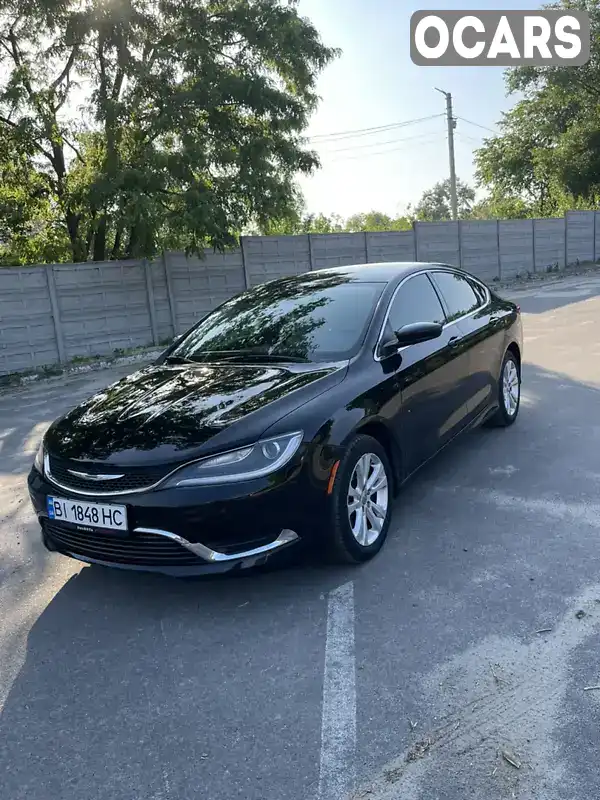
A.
pixel 291 414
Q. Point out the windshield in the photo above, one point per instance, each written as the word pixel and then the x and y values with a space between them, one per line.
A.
pixel 306 318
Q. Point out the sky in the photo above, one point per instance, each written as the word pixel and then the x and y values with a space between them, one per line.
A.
pixel 375 83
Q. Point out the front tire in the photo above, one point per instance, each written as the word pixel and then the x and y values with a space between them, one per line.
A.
pixel 509 392
pixel 361 502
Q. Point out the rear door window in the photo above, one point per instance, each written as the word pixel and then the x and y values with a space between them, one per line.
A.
pixel 480 292
pixel 458 294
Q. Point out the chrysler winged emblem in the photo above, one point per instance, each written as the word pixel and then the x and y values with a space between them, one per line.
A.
pixel 89 477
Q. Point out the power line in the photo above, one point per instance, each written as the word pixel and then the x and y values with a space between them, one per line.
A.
pixel 437 140
pixel 369 131
pixel 374 144
pixel 469 139
pixel 477 125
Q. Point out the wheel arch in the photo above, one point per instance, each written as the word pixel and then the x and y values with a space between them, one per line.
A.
pixel 514 348
pixel 379 431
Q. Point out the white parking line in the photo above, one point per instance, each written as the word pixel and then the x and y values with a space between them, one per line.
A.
pixel 338 728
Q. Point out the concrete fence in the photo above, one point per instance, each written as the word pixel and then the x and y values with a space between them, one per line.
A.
pixel 55 313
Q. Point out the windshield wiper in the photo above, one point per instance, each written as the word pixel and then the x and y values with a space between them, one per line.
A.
pixel 277 357
pixel 179 360
pixel 250 355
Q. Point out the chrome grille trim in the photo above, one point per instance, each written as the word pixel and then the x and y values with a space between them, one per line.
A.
pixel 212 556
pixel 141 550
pixel 93 492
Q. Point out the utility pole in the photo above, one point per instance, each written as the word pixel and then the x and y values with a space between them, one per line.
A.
pixel 451 127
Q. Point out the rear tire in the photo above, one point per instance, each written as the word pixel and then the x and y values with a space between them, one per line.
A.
pixel 361 502
pixel 509 393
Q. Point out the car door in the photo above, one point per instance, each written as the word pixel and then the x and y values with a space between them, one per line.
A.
pixel 468 303
pixel 430 375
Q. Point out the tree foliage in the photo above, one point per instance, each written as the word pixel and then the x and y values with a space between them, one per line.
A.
pixel 194 114
pixel 548 150
pixel 377 221
pixel 300 221
pixel 29 228
pixel 435 204
pixel 501 207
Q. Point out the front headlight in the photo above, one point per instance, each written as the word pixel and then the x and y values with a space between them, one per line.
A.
pixel 38 462
pixel 243 464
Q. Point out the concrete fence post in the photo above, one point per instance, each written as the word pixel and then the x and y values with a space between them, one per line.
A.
pixel 58 331
pixel 566 219
pixel 244 263
pixel 415 227
pixel 310 253
pixel 594 234
pixel 533 243
pixel 498 249
pixel 366 235
pixel 170 293
pixel 146 266
pixel 459 235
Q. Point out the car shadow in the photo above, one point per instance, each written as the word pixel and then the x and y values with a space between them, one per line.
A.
pixel 129 677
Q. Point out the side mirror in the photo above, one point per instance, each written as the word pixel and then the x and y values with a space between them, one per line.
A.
pixel 418 332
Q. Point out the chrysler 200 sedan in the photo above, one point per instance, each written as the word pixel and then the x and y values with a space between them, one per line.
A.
pixel 291 414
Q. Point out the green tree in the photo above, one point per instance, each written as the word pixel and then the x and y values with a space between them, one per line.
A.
pixel 29 228
pixel 494 207
pixel 377 221
pixel 548 149
pixel 518 162
pixel 298 220
pixel 435 203
pixel 303 222
pixel 308 223
pixel 322 223
pixel 196 116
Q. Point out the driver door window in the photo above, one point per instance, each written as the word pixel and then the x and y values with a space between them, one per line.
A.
pixel 416 301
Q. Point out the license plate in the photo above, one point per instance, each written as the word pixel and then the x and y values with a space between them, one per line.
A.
pixel 96 515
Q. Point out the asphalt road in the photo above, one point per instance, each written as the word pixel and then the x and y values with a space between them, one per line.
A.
pixel 419 676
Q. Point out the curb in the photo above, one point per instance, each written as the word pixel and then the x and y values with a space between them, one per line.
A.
pixel 547 278
pixel 15 381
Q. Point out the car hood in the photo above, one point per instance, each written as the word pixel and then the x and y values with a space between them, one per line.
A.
pixel 167 413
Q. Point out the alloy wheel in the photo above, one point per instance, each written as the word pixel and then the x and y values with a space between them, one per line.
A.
pixel 368 499
pixel 511 388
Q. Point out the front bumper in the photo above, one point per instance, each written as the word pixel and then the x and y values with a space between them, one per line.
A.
pixel 186 531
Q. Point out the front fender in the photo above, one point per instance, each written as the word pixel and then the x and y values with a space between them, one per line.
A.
pixel 332 439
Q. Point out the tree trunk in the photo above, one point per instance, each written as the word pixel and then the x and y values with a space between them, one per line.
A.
pixel 100 239
pixel 72 219
pixel 117 243
pixel 132 245
pixel 78 251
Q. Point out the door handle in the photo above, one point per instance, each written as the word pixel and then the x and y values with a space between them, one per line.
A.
pixel 454 341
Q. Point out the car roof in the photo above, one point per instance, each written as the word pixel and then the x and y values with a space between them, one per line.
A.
pixel 383 272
